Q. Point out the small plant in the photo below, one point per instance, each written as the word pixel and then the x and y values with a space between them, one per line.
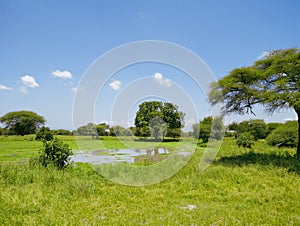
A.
pixel 246 140
pixel 55 153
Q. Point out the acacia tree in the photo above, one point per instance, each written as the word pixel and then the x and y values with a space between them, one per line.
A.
pixel 22 122
pixel 273 81
pixel 157 117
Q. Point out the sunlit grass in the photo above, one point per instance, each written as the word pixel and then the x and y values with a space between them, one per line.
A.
pixel 237 191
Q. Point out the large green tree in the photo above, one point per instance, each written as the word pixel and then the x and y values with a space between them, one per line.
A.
pixel 273 81
pixel 22 122
pixel 156 118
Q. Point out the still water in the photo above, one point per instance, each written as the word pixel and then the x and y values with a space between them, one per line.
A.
pixel 130 155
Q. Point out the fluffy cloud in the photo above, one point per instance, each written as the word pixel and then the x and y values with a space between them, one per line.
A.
pixel 158 78
pixel 62 74
pixel 115 85
pixel 29 81
pixel 3 87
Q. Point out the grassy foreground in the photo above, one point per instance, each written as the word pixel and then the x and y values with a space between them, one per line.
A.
pixel 240 188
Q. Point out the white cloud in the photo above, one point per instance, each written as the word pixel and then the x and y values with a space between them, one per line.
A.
pixel 62 74
pixel 74 89
pixel 158 78
pixel 3 87
pixel 29 81
pixel 263 55
pixel 115 85
pixel 23 90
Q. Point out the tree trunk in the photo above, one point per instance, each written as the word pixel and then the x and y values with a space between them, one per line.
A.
pixel 298 146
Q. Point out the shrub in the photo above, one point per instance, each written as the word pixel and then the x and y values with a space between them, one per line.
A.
pixel 246 140
pixel 284 136
pixel 44 133
pixel 56 153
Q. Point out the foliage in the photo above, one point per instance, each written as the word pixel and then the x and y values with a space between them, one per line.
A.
pixel 246 140
pixel 272 81
pixel 120 131
pixel 285 135
pixel 44 133
pixel 62 132
pixel 205 129
pixel 156 118
pixel 257 127
pixel 22 122
pixel 272 126
pixel 89 129
pixel 174 133
pixel 55 153
pixel 103 129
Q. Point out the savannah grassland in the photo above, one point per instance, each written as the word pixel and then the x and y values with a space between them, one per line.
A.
pixel 242 187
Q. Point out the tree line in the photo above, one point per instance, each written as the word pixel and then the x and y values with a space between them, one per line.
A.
pixel 273 82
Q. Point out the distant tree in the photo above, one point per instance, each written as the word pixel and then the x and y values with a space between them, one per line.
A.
pixel 120 131
pixel 157 117
pixel 272 81
pixel 175 133
pixel 208 128
pixel 257 127
pixel 158 127
pixel 103 129
pixel 89 129
pixel 22 122
pixel 44 133
pixel 272 126
pixel 246 140
pixel 62 132
pixel 284 136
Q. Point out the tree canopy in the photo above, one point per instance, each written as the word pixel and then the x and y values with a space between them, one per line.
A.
pixel 156 118
pixel 22 122
pixel 273 81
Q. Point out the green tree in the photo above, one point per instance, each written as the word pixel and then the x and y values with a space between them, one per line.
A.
pixel 89 129
pixel 273 81
pixel 272 126
pixel 62 132
pixel 44 133
pixel 257 127
pixel 103 129
pixel 22 122
pixel 205 129
pixel 284 136
pixel 246 140
pixel 120 131
pixel 157 118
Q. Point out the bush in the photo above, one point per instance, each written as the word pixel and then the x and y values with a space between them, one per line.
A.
pixel 246 140
pixel 284 136
pixel 44 133
pixel 55 153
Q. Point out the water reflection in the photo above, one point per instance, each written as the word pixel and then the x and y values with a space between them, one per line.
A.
pixel 130 155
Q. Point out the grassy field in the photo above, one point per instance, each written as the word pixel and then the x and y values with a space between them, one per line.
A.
pixel 258 187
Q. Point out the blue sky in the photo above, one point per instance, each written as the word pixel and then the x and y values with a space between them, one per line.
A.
pixel 46 46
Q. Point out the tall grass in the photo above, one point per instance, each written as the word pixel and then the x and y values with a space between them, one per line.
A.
pixel 229 192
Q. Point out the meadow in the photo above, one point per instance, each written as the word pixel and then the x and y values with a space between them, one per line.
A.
pixel 242 187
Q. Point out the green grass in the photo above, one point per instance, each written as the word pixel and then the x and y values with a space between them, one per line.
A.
pixel 242 187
